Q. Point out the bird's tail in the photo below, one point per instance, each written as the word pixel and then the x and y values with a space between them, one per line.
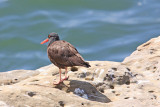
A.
pixel 86 64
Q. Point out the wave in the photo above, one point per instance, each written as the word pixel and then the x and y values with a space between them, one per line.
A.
pixel 26 55
pixel 1 1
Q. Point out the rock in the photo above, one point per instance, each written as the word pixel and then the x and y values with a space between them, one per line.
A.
pixel 128 103
pixel 133 82
pixel 31 94
pixel 3 104
pixel 74 69
pixel 12 77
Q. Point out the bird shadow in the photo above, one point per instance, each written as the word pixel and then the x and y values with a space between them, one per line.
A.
pixel 83 89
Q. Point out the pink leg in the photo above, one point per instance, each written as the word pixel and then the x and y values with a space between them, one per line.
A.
pixel 60 80
pixel 66 77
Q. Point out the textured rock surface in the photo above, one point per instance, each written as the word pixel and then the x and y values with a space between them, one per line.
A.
pixel 12 77
pixel 133 82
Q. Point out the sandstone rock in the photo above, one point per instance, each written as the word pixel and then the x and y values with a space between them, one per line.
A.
pixel 11 77
pixel 3 104
pixel 133 82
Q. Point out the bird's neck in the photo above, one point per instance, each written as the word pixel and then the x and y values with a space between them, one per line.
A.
pixel 51 41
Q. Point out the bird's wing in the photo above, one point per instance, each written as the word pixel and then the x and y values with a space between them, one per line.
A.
pixel 65 54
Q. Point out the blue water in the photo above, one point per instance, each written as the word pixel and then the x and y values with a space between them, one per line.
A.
pixel 101 30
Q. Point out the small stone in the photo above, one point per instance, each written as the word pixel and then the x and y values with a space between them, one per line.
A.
pixel 134 98
pixel 74 69
pixel 15 79
pixel 31 94
pixel 147 68
pixel 81 75
pixel 115 69
pixel 154 67
pixel 113 91
pixel 128 69
pixel 155 97
pixel 96 64
pixel 151 91
pixel 126 98
pixel 89 78
pixel 35 80
pixel 61 103
pixel 117 94
pixel 111 86
pixel 101 90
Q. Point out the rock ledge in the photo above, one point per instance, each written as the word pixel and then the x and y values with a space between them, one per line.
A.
pixel 133 82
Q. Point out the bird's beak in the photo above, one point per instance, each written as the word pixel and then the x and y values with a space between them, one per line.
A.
pixel 46 40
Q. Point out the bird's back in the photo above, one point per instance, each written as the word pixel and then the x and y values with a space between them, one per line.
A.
pixel 63 54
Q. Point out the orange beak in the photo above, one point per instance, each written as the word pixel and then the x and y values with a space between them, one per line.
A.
pixel 46 40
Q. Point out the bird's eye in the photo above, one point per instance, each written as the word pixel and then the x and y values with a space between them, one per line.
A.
pixel 49 36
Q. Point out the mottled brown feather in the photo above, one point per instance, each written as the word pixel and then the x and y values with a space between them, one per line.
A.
pixel 63 54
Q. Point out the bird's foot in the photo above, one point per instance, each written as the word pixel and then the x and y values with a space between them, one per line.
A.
pixel 57 83
pixel 66 78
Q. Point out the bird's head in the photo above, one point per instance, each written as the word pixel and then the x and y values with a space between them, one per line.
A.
pixel 51 38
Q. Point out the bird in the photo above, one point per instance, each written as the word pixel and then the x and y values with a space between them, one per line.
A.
pixel 63 55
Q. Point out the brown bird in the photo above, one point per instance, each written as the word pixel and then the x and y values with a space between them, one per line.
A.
pixel 63 54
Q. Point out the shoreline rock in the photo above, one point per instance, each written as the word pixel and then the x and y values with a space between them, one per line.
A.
pixel 133 82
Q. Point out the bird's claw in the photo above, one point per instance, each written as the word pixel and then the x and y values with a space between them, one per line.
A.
pixel 66 78
pixel 57 83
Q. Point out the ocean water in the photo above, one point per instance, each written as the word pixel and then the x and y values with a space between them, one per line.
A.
pixel 100 29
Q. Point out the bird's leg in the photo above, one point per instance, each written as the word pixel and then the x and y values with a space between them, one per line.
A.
pixel 60 80
pixel 66 77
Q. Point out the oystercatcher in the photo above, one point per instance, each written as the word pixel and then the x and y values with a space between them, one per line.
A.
pixel 63 54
